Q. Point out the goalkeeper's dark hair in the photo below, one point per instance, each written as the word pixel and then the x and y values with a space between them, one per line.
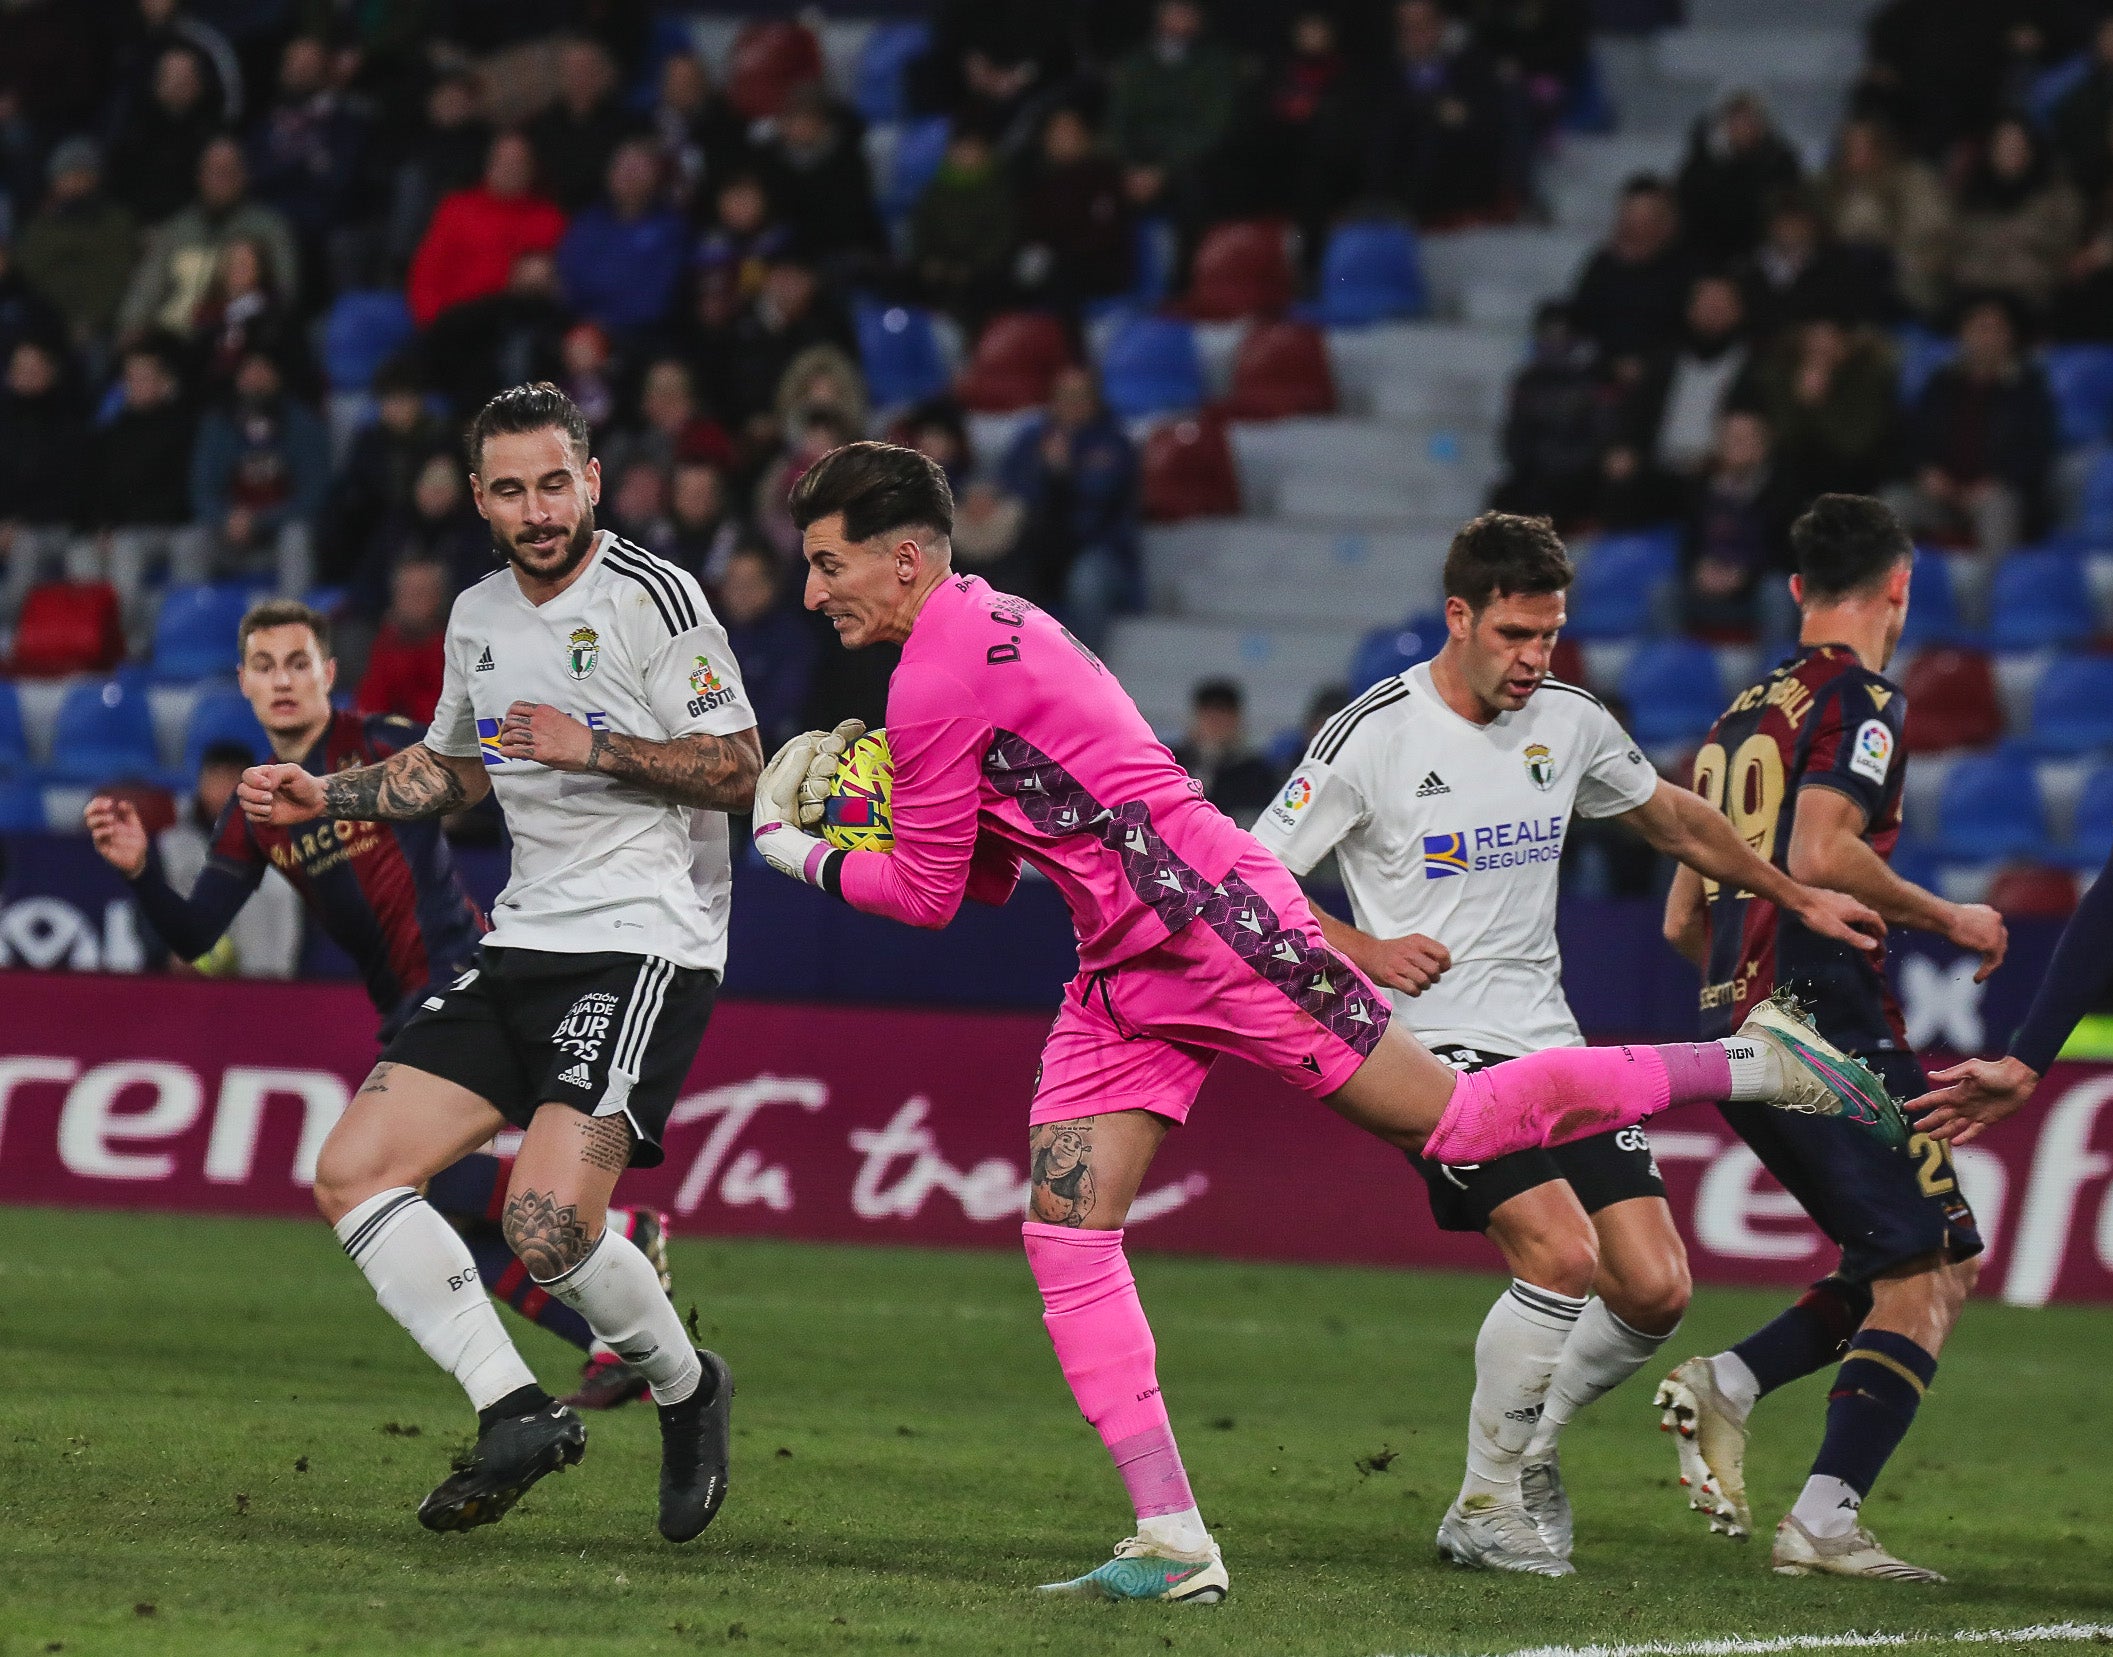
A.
pixel 540 406
pixel 282 612
pixel 878 487
pixel 1502 555
pixel 1847 544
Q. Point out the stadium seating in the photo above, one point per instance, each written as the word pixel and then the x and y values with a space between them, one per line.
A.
pixel 1933 604
pixel 768 61
pixel 1188 471
pixel 21 805
pixel 1922 353
pixel 2081 378
pixel 14 740
pixel 104 732
pixel 1241 269
pixel 1386 651
pixel 1370 272
pixel 2091 841
pixel 1952 701
pixel 878 92
pixel 68 627
pixel 920 146
pixel 2032 891
pixel 196 630
pixel 1280 369
pixel 1990 810
pixel 363 329
pixel 2040 598
pixel 222 715
pixel 1016 358
pixel 1150 366
pixel 2072 705
pixel 1621 584
pixel 1673 691
pixel 2094 514
pixel 899 350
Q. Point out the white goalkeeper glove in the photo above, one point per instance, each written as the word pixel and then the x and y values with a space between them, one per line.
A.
pixel 791 796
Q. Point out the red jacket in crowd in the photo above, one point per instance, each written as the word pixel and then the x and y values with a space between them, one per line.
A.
pixel 471 245
pixel 403 675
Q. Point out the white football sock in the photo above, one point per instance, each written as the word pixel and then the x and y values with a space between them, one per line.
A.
pixel 1756 1069
pixel 1515 1358
pixel 1181 1532
pixel 425 1279
pixel 1601 1353
pixel 1827 1506
pixel 1737 1381
pixel 618 1292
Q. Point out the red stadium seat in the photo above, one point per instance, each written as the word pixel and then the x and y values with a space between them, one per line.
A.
pixel 1241 269
pixel 1015 361
pixel 69 627
pixel 1281 369
pixel 768 61
pixel 1188 471
pixel 2033 891
pixel 1952 701
pixel 1568 662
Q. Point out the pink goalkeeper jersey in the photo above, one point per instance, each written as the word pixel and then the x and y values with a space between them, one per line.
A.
pixel 1012 741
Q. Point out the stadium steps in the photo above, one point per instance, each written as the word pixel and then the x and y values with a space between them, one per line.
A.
pixel 1160 659
pixel 1337 467
pixel 1235 569
pixel 1446 375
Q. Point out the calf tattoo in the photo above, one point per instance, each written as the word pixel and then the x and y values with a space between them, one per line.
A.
pixel 547 1238
pixel 1060 1172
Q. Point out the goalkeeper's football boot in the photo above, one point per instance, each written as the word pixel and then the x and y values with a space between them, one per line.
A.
pixel 696 1443
pixel 647 1229
pixel 510 1456
pixel 1485 1533
pixel 1548 1504
pixel 1712 1440
pixel 1855 1553
pixel 605 1383
pixel 1143 1569
pixel 1819 1078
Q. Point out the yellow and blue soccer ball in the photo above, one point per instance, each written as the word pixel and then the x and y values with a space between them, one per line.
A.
pixel 857 815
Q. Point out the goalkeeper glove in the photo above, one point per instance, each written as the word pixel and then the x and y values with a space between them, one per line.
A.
pixel 790 798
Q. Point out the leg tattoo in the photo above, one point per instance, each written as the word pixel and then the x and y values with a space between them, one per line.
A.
pixel 1060 1171
pixel 378 1078
pixel 606 1143
pixel 547 1238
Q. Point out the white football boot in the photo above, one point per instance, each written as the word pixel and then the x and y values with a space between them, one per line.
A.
pixel 1548 1504
pixel 1486 1534
pixel 1854 1553
pixel 1712 1441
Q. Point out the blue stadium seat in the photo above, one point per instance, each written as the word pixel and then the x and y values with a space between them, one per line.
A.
pixel 1386 651
pixel 2046 90
pixel 1933 604
pixel 2072 705
pixel 1370 272
pixel 21 805
pixel 1619 583
pixel 2092 843
pixel 899 350
pixel 1673 690
pixel 363 330
pixel 2081 378
pixel 104 733
pixel 1990 809
pixel 14 740
pixel 222 714
pixel 1587 106
pixel 1151 366
pixel 919 149
pixel 1922 353
pixel 195 632
pixel 2095 501
pixel 2039 599
pixel 882 62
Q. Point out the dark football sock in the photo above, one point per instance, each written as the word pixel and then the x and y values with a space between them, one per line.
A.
pixel 521 1401
pixel 1808 1336
pixel 508 1280
pixel 472 1189
pixel 1872 1406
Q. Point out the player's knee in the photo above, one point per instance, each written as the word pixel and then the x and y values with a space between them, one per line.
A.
pixel 1563 1261
pixel 344 1178
pixel 1650 1296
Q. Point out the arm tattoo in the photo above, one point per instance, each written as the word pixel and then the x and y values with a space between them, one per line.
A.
pixel 716 773
pixel 1060 1172
pixel 546 1237
pixel 412 782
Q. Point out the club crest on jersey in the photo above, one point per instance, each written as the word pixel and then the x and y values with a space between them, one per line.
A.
pixel 711 691
pixel 1540 765
pixel 582 651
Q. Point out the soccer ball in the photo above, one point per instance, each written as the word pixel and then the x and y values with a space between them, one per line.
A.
pixel 857 817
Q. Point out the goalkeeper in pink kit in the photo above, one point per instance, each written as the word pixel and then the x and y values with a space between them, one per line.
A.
pixel 1011 742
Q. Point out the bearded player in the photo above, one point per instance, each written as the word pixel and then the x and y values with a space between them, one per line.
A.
pixel 1010 742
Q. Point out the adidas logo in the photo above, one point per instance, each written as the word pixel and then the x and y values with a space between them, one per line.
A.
pixel 1431 784
pixel 484 662
pixel 577 1077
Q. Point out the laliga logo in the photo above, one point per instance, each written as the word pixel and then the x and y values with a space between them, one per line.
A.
pixel 1298 794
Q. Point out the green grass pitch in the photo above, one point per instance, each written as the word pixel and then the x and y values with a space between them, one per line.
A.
pixel 215 1442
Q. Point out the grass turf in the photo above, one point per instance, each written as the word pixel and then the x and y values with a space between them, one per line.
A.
pixel 217 1443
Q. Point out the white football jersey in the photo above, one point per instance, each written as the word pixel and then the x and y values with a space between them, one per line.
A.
pixel 631 646
pixel 1452 829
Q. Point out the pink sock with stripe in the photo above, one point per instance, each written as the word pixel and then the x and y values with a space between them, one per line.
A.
pixel 1566 1093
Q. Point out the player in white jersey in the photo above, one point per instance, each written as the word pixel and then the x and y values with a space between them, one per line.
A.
pixel 589 685
pixel 1446 793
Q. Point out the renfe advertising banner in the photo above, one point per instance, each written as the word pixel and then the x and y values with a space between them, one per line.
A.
pixel 909 1126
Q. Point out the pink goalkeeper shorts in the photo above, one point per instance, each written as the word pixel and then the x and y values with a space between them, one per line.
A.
pixel 1251 976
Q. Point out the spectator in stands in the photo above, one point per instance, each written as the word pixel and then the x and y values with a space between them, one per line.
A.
pixel 80 248
pixel 589 375
pixel 260 475
pixel 2081 131
pixel 24 312
pixel 1736 164
pixel 622 258
pixel 408 658
pixel 484 345
pixel 702 530
pixel 183 253
pixel 2083 305
pixel 1075 217
pixel 816 176
pixel 991 61
pixel 1555 424
pixel 445 151
pixel 773 643
pixel 575 137
pixel 734 255
pixel 1739 531
pixel 148 29
pixel 701 134
pixel 1981 439
pixel 635 503
pixel 2018 222
pixel 311 157
pixel 672 425
pixel 1634 290
pixel 140 474
pixel 989 539
pixel 1799 270
pixel 809 435
pixel 1937 67
pixel 937 429
pixel 43 436
pixel 1698 382
pixel 1543 43
pixel 1171 103
pixel 1874 196
pixel 1217 753
pixel 788 314
pixel 1074 469
pixel 1312 139
pixel 1443 147
pixel 823 377
pixel 239 314
pixel 439 526
pixel 963 230
pixel 382 468
pixel 154 158
pixel 476 235
pixel 1831 396
pixel 264 938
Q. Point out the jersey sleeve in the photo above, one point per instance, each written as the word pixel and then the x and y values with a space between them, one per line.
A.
pixel 937 735
pixel 234 866
pixel 693 684
pixel 993 872
pixel 1323 804
pixel 454 728
pixel 1617 776
pixel 1855 747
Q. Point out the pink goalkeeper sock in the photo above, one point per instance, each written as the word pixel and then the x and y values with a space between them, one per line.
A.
pixel 1566 1093
pixel 1104 1347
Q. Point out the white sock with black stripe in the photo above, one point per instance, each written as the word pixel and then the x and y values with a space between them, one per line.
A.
pixel 1515 1358
pixel 1601 1353
pixel 425 1279
pixel 618 1292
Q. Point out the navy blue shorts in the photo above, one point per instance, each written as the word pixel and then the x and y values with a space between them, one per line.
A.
pixel 1881 1207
